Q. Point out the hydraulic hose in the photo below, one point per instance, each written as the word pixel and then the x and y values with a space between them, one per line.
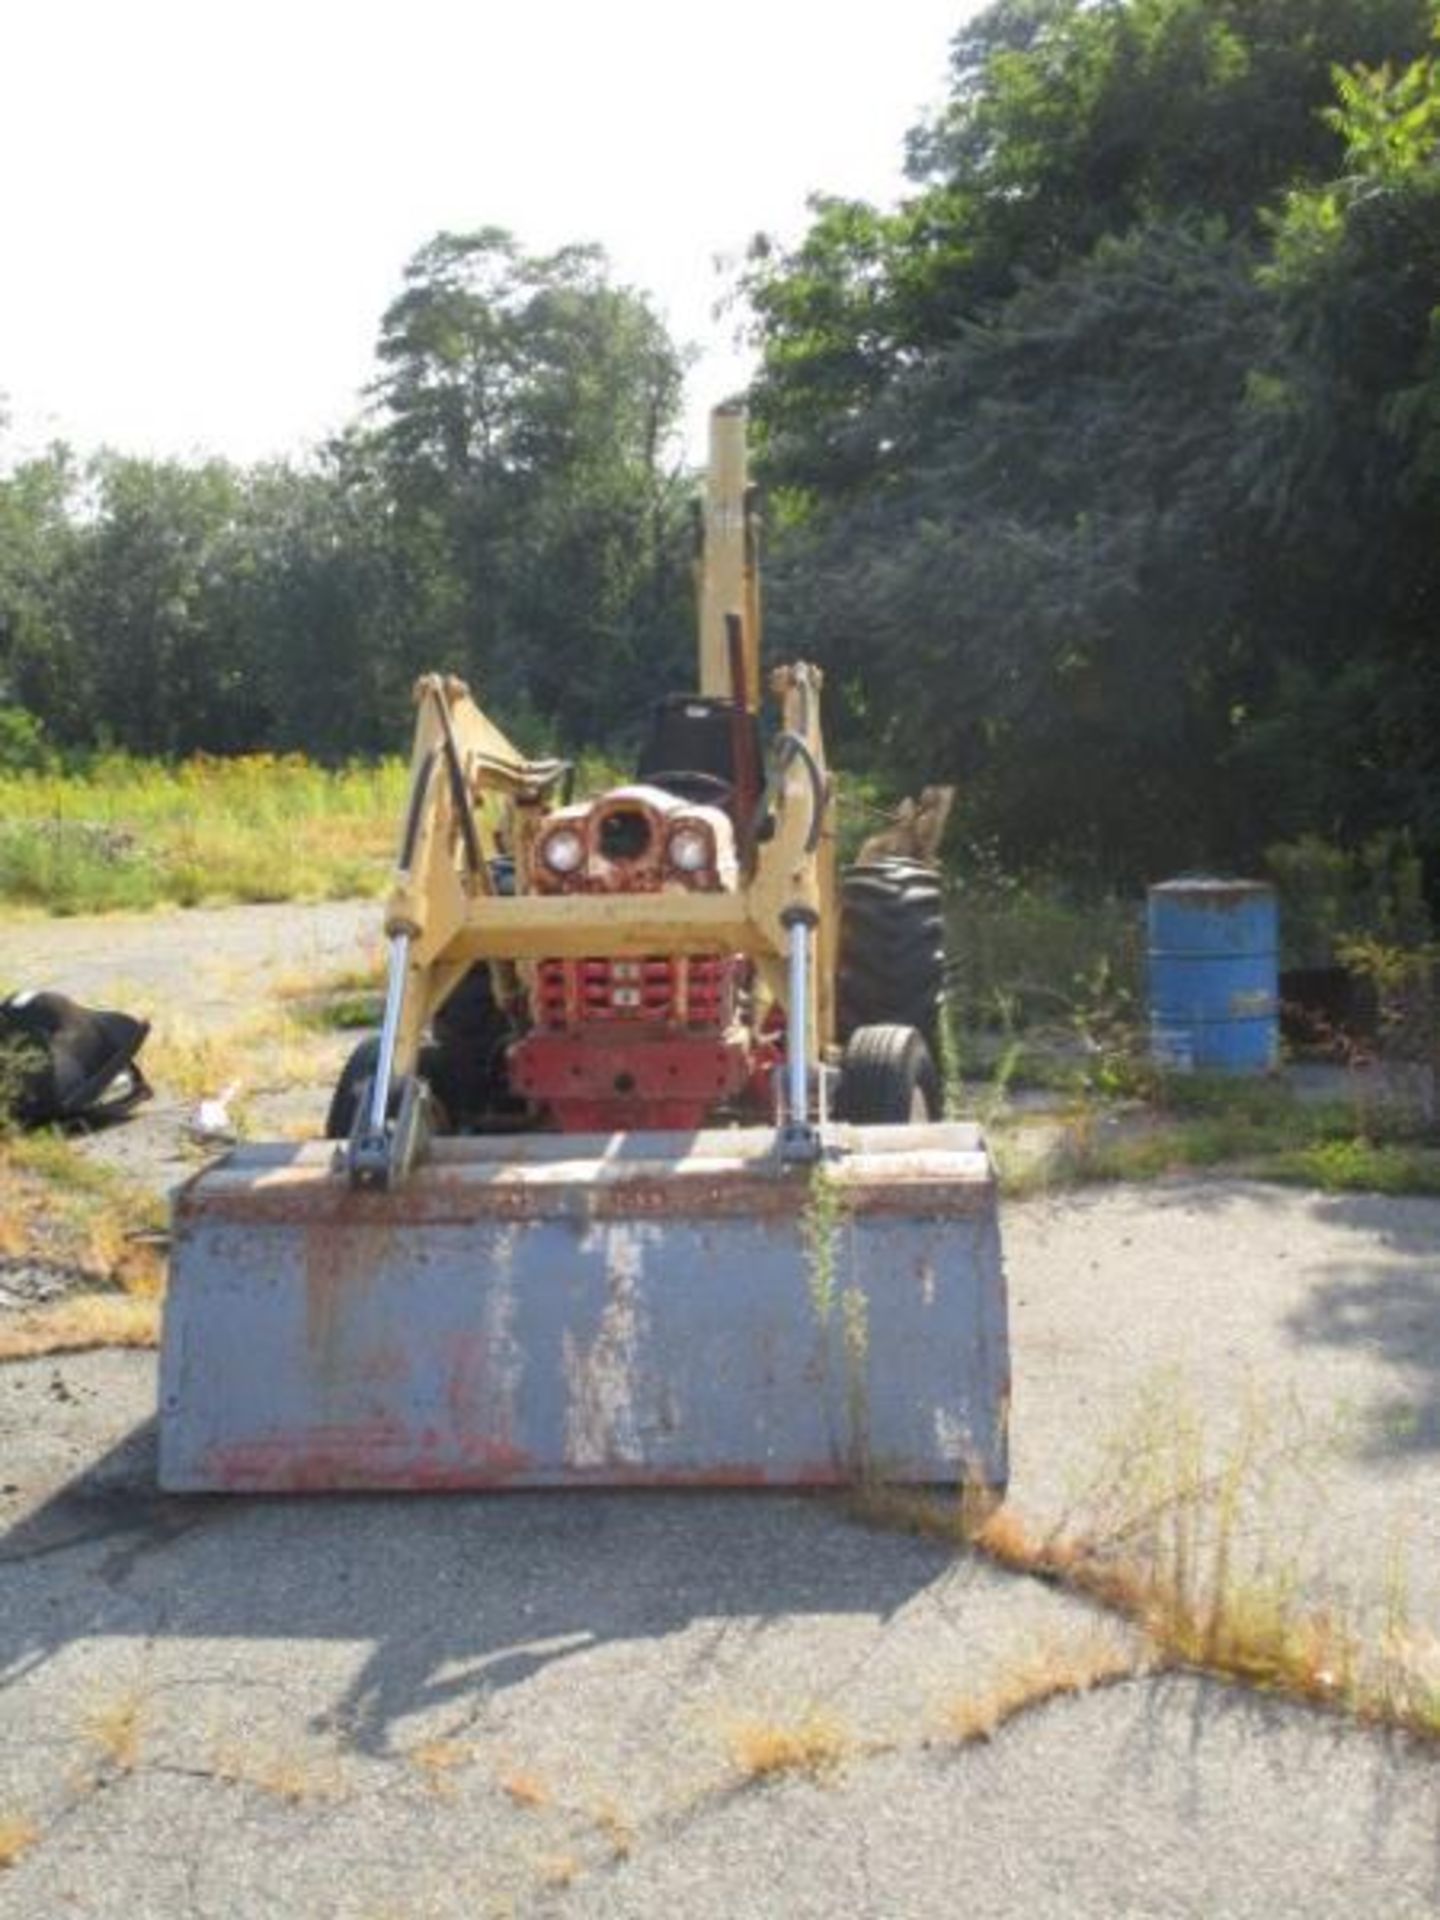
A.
pixel 788 747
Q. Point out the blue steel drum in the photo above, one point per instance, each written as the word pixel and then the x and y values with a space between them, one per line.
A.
pixel 1213 975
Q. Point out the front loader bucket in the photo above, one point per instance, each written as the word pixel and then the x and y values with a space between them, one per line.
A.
pixel 562 1311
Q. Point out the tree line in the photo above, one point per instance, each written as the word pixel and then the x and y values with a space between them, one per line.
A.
pixel 506 507
pixel 1102 471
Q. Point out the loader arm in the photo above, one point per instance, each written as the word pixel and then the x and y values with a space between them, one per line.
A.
pixel 474 800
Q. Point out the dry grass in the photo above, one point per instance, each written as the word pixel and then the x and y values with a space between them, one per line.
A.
pixel 269 1051
pixel 294 1776
pixel 814 1745
pixel 114 1730
pixel 436 1761
pixel 80 1324
pixel 1052 1671
pixel 366 977
pixel 70 1213
pixel 67 1213
pixel 525 1789
pixel 614 1829
pixel 18 1834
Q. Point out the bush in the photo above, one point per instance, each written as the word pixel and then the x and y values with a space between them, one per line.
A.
pixel 23 746
pixel 1332 896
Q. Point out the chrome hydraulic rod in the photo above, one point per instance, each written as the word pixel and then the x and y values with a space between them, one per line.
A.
pixel 389 1031
pixel 799 1136
pixel 797 1046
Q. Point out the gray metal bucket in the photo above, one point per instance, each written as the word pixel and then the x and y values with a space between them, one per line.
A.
pixel 663 1309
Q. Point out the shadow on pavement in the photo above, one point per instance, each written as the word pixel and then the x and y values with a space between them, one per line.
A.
pixel 458 1596
pixel 1389 1311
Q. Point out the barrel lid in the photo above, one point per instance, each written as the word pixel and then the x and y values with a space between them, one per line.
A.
pixel 1212 886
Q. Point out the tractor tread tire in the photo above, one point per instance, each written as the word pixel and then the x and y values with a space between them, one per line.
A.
pixel 888 1077
pixel 892 949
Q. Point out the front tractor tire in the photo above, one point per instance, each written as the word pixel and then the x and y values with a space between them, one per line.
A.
pixel 463 1066
pixel 888 1078
pixel 892 949
pixel 355 1078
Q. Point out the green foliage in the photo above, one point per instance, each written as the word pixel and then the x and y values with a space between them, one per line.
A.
pixel 1034 955
pixel 1124 431
pixel 23 748
pixel 1331 897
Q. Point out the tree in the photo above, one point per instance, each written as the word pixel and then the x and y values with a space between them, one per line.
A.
pixel 1346 471
pixel 1042 602
pixel 36 543
pixel 1068 121
pixel 523 411
pixel 1121 433
pixel 152 603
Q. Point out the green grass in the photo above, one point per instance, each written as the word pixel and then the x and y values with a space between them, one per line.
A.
pixel 1261 1129
pixel 1359 1166
pixel 133 834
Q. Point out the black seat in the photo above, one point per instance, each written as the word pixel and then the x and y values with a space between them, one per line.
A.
pixel 691 749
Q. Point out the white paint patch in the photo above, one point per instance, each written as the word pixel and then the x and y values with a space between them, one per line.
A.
pixel 600 1416
pixel 505 1358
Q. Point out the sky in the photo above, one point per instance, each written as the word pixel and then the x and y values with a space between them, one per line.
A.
pixel 206 206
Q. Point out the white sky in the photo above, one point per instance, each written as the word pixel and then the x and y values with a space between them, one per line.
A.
pixel 205 205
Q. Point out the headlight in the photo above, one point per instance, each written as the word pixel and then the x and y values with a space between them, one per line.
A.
pixel 563 851
pixel 690 849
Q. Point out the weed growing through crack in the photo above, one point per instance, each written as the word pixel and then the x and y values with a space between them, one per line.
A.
pixel 292 1775
pixel 814 1745
pixel 1182 1541
pixel 1054 1670
pixel 822 1225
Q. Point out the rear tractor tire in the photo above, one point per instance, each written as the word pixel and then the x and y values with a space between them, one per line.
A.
pixel 892 949
pixel 888 1078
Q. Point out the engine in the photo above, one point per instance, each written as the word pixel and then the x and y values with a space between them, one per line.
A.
pixel 658 1041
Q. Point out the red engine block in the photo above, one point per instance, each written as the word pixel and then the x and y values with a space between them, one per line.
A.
pixel 652 1042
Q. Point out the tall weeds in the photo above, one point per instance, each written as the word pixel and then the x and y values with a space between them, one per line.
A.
pixel 136 833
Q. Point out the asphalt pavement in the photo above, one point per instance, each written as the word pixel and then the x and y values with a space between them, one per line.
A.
pixel 515 1704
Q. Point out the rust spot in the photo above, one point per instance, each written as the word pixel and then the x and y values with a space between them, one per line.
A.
pixel 378 1454
pixel 438 1197
pixel 383 1458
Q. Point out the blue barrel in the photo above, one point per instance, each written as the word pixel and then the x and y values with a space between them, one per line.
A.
pixel 1213 975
